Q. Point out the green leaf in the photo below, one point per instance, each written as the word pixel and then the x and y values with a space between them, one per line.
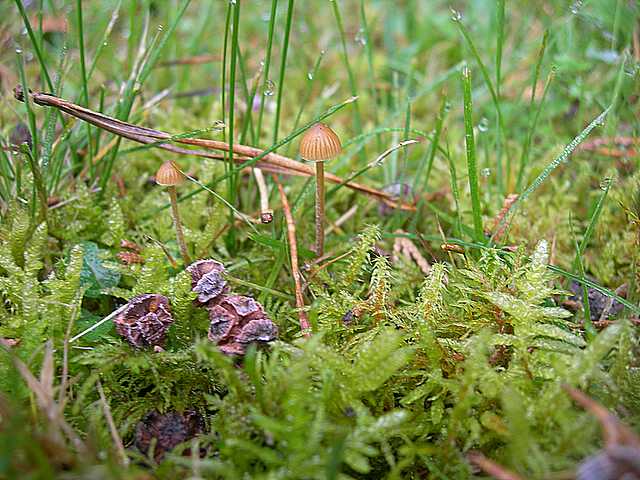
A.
pixel 95 276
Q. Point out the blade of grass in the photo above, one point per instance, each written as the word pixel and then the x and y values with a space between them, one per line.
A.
pixel 133 86
pixel 371 71
pixel 83 77
pixel 564 156
pixel 267 66
pixel 232 179
pixel 472 167
pixel 283 68
pixel 595 216
pixel 35 44
pixel 352 80
pixel 496 101
pixel 421 179
pixel 524 157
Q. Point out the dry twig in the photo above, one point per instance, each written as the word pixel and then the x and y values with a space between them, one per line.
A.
pixel 295 269
pixel 271 162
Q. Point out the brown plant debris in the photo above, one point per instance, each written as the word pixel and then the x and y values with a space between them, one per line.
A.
pixel 144 321
pixel 271 162
pixel 405 247
pixel 238 321
pixel 163 432
pixel 207 280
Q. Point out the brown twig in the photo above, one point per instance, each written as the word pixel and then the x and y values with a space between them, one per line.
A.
pixel 293 250
pixel 615 432
pixel 506 205
pixel 494 469
pixel 112 425
pixel 271 162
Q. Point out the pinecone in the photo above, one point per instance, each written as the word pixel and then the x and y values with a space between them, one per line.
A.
pixel 238 321
pixel 144 321
pixel 169 430
pixel 207 280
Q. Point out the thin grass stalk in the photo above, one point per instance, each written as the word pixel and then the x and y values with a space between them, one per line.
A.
pixel 352 80
pixel 496 101
pixel 370 70
pixel 283 68
pixel 426 162
pixel 83 72
pixel 524 157
pixel 564 155
pixel 124 109
pixel 589 330
pixel 267 66
pixel 472 167
pixel 231 181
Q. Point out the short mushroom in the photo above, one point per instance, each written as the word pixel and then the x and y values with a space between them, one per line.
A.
pixel 169 175
pixel 318 145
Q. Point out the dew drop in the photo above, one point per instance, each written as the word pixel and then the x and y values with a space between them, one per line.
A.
pixel 232 2
pixel 483 126
pixel 19 51
pixel 447 106
pixel 605 184
pixel 456 16
pixel 29 56
pixel 485 172
pixel 576 6
pixel 269 88
pixel 104 44
pixel 310 75
pixel 160 27
pixel 24 31
pixel 218 125
pixel 360 37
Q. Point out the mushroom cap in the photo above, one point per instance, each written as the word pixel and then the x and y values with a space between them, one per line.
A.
pixel 169 174
pixel 320 143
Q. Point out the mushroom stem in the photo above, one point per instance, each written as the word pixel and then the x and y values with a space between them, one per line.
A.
pixel 319 208
pixel 173 195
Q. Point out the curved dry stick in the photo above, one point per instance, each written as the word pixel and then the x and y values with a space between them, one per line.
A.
pixel 271 162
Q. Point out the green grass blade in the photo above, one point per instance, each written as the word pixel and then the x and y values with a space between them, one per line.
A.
pixel 283 69
pixel 472 166
pixel 564 156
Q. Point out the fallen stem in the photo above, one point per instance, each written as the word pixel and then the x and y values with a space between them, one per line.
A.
pixel 295 269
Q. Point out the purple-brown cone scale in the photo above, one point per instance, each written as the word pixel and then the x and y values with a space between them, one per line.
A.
pixel 144 321
pixel 207 280
pixel 236 322
pixel 168 430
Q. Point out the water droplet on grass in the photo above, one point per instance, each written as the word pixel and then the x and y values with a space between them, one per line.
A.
pixel 456 16
pixel 483 126
pixel 269 88
pixel 360 37
pixel 310 75
pixel 485 172
pixel 19 51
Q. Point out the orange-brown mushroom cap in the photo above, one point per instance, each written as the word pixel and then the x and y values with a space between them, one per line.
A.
pixel 169 174
pixel 320 143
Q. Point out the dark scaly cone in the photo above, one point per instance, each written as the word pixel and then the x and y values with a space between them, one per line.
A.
pixel 144 321
pixel 207 280
pixel 236 322
pixel 168 430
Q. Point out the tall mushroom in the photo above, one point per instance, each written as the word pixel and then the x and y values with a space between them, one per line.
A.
pixel 169 175
pixel 318 145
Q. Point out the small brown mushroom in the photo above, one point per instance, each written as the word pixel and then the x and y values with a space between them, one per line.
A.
pixel 169 175
pixel 144 321
pixel 318 145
